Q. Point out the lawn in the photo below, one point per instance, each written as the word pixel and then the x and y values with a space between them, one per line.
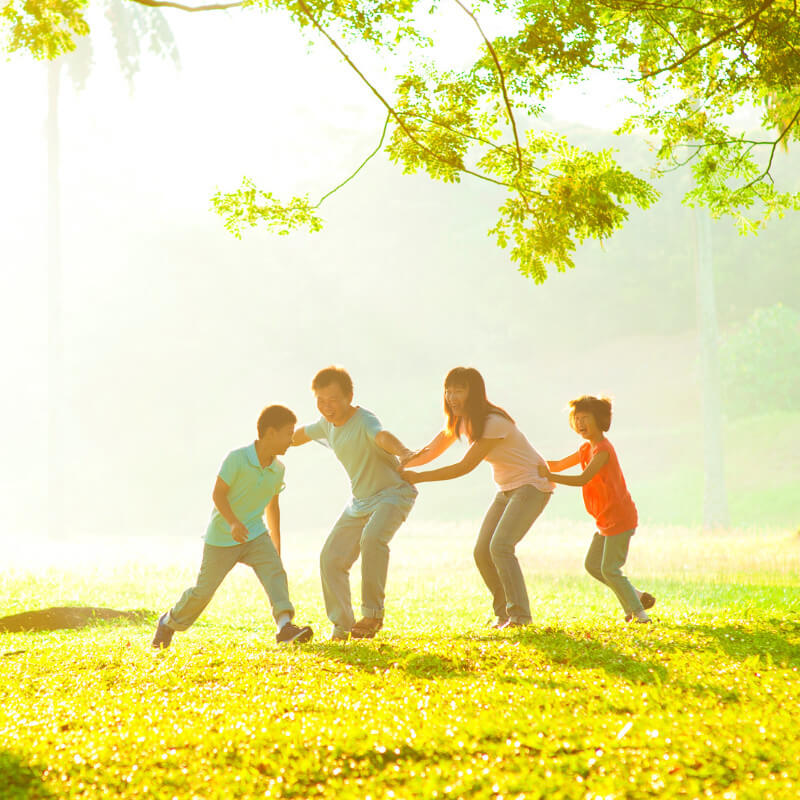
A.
pixel 580 705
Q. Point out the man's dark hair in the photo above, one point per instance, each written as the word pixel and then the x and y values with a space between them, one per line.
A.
pixel 275 417
pixel 325 377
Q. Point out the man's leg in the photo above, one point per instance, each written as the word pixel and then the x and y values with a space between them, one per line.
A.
pixel 217 563
pixel 483 558
pixel 524 506
pixel 378 532
pixel 615 553
pixel 261 555
pixel 339 554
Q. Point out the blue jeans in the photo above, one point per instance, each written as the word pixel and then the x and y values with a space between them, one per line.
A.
pixel 508 519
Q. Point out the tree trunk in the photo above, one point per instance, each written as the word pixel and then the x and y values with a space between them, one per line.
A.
pixel 55 470
pixel 715 500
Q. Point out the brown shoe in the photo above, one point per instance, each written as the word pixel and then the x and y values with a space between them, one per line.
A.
pixel 366 628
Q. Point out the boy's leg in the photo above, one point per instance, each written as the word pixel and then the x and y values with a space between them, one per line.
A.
pixel 261 555
pixel 217 563
pixel 594 558
pixel 524 506
pixel 339 554
pixel 615 553
pixel 483 556
pixel 377 533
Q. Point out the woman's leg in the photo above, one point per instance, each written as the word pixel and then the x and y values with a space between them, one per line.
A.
pixel 523 507
pixel 483 556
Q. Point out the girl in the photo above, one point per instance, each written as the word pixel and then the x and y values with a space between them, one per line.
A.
pixel 523 493
pixel 606 498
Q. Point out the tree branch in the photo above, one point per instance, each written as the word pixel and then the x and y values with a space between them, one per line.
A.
pixel 180 6
pixel 502 77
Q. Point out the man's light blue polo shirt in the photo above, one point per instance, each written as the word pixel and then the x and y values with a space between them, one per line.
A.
pixel 373 472
pixel 251 488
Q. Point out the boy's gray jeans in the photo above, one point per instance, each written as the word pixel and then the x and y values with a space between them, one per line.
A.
pixel 368 535
pixel 258 553
pixel 508 519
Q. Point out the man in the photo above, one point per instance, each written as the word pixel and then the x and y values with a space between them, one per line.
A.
pixel 381 501
pixel 248 483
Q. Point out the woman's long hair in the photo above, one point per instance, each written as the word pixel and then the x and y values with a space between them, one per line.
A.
pixel 477 407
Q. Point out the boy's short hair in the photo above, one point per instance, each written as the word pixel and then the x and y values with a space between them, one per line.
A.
pixel 339 375
pixel 598 407
pixel 274 417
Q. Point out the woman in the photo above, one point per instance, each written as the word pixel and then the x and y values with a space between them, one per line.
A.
pixel 523 494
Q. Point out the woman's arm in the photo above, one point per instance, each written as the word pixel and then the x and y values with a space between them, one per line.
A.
pixel 471 459
pixel 565 463
pixel 440 443
pixel 594 466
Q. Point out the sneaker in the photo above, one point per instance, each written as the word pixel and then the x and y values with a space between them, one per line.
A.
pixel 163 635
pixel 366 628
pixel 648 601
pixel 512 623
pixel 291 633
pixel 497 622
pixel 339 636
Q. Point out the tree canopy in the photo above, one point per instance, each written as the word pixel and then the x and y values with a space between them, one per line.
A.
pixel 688 66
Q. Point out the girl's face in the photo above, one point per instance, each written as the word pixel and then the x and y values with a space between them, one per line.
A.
pixel 585 425
pixel 456 399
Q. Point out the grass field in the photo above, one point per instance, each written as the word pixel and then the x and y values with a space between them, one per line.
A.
pixel 579 705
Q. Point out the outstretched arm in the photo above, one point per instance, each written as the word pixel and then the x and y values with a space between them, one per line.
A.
pixel 392 445
pixel 594 466
pixel 471 459
pixel 565 463
pixel 440 443
pixel 300 437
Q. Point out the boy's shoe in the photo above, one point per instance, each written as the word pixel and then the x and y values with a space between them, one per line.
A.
pixel 163 635
pixel 366 628
pixel 291 633
pixel 339 636
pixel 512 623
pixel 648 601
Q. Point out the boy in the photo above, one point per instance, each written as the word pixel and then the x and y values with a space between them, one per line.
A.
pixel 249 482
pixel 381 502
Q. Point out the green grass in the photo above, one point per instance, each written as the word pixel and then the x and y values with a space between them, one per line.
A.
pixel 579 705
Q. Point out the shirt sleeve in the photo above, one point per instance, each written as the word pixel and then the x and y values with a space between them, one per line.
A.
pixel 230 468
pixel 316 430
pixel 496 427
pixel 372 425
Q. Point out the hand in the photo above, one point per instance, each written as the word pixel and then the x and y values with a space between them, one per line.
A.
pixel 408 476
pixel 239 532
pixel 406 456
pixel 544 472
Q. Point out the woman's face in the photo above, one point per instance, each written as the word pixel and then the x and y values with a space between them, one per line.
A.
pixel 456 399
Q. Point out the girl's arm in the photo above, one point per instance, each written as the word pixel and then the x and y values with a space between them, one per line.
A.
pixel 440 443
pixel 472 458
pixel 594 466
pixel 565 463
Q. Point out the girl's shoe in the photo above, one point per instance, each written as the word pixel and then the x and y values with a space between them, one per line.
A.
pixel 647 600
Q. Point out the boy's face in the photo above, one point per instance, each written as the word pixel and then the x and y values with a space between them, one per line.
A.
pixel 280 439
pixel 585 424
pixel 333 403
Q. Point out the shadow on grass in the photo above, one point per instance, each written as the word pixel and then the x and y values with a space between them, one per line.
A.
pixel 741 642
pixel 69 617
pixel 20 781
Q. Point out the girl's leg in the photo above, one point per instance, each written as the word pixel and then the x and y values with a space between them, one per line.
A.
pixel 594 558
pixel 523 507
pixel 615 553
pixel 483 556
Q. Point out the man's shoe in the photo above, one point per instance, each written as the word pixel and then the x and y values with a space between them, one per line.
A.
pixel 366 628
pixel 648 601
pixel 339 636
pixel 291 633
pixel 512 623
pixel 163 635
pixel 496 623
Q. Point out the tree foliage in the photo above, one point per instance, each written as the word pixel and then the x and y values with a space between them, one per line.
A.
pixel 688 65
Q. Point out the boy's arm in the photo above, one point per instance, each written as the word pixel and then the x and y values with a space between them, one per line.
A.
pixel 274 522
pixel 220 498
pixel 440 443
pixel 471 459
pixel 594 466
pixel 565 463
pixel 391 444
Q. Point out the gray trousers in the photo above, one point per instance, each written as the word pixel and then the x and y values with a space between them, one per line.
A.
pixel 508 519
pixel 604 561
pixel 368 535
pixel 258 553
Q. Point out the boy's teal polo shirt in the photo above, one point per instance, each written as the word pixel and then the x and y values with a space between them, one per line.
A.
pixel 251 488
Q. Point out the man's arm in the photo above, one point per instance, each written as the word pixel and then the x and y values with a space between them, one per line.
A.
pixel 471 459
pixel 274 522
pixel 440 443
pixel 391 444
pixel 220 498
pixel 300 437
pixel 594 466
pixel 565 463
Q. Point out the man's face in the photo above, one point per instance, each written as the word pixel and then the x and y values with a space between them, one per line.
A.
pixel 280 439
pixel 333 403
